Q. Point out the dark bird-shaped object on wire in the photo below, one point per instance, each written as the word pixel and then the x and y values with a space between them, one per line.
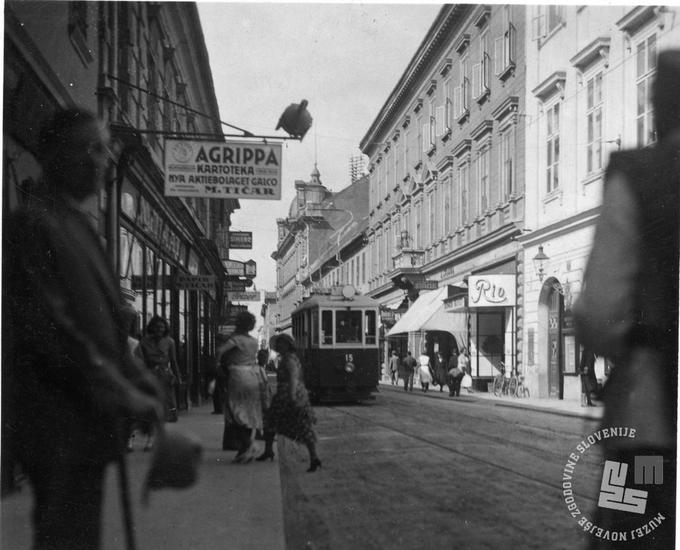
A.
pixel 296 120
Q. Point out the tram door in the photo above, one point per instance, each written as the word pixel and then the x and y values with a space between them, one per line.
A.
pixel 554 345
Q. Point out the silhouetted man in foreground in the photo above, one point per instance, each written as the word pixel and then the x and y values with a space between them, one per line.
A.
pixel 71 381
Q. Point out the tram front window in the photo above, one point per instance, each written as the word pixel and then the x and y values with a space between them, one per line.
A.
pixel 348 327
pixel 370 327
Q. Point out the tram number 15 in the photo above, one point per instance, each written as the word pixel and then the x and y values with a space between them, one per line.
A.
pixel 349 358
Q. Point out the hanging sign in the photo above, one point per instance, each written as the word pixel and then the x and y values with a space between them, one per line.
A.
pixel 194 282
pixel 491 291
pixel 250 268
pixel 248 296
pixel 234 267
pixel 222 170
pixel 241 239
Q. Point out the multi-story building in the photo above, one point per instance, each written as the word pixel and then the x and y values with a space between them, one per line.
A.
pixel 143 68
pixel 320 243
pixel 446 162
pixel 588 78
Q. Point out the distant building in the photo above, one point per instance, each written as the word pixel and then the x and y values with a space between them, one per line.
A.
pixel 317 243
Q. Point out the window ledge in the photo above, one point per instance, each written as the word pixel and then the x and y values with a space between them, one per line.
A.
pixel 446 135
pixel 481 98
pixel 592 177
pixel 507 72
pixel 554 195
pixel 461 118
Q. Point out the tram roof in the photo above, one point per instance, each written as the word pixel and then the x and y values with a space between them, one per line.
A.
pixel 326 300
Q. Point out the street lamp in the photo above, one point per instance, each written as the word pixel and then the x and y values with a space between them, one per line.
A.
pixel 540 260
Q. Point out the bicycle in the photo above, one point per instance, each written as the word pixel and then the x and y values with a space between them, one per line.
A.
pixel 512 385
pixel 522 390
pixel 500 382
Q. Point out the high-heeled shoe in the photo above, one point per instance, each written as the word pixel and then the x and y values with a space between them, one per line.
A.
pixel 314 464
pixel 265 455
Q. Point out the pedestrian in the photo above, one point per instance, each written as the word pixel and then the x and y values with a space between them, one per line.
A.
pixel 243 406
pixel 628 308
pixel 129 314
pixel 408 366
pixel 160 357
pixel 455 375
pixel 588 378
pixel 68 377
pixel 464 365
pixel 424 371
pixel 395 362
pixel 440 371
pixel 290 413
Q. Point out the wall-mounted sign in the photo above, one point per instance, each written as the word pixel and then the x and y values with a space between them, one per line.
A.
pixel 249 296
pixel 241 239
pixel 222 170
pixel 233 267
pixel 194 282
pixel 426 285
pixel 491 291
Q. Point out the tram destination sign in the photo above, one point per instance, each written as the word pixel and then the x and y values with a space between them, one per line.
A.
pixel 246 296
pixel 222 170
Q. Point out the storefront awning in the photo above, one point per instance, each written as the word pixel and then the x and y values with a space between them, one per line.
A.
pixel 428 313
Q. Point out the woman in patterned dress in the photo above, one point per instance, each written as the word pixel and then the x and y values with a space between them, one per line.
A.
pixel 290 413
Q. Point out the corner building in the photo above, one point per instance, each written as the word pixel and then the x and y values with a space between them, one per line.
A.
pixel 447 192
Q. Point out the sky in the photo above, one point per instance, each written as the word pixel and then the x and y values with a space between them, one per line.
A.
pixel 345 59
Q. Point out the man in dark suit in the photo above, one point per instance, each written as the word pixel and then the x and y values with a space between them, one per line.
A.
pixel 628 309
pixel 72 385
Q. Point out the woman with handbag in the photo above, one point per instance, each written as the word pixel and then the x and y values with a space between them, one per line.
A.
pixel 245 391
pixel 160 357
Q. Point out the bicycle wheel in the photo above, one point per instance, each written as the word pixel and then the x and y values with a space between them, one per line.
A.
pixel 523 391
pixel 512 386
pixel 498 385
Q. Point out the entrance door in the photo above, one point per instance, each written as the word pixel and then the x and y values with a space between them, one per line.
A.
pixel 554 344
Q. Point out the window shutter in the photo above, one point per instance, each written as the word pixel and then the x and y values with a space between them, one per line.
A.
pixel 477 80
pixel 426 137
pixel 466 95
pixel 498 56
pixel 448 114
pixel 538 27
pixel 440 120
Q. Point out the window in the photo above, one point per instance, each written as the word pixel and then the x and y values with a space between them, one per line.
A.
pixel 447 206
pixel 371 327
pixel 480 71
pixel 448 106
pixel 405 151
pixel 432 233
pixel 432 126
pixel 327 327
pixel 464 189
pixel 418 238
pixel 645 62
pixel 507 156
pixel 553 147
pixel 504 47
pixel 594 123
pixel 483 179
pixel 348 327
pixel 549 18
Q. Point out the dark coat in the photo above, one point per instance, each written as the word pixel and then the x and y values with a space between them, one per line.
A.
pixel 66 362
pixel 628 310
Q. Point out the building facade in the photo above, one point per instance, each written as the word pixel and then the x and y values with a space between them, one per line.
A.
pixel 143 68
pixel 320 244
pixel 589 73
pixel 447 191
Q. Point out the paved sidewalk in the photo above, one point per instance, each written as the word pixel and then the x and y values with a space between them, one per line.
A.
pixel 232 506
pixel 554 406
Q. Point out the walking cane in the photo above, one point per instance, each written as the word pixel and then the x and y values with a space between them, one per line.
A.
pixel 125 501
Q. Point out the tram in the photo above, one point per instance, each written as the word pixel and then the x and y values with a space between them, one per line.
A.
pixel 336 336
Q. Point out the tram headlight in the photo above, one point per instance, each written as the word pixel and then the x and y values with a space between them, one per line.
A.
pixel 349 368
